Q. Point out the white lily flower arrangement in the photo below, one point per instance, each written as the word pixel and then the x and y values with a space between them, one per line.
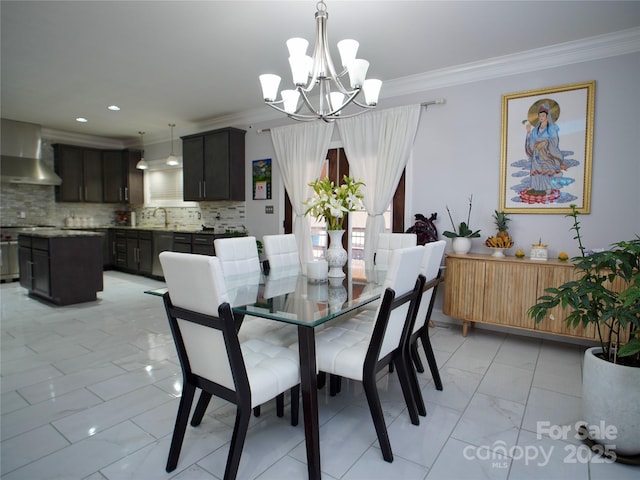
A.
pixel 333 202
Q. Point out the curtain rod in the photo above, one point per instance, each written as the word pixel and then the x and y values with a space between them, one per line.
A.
pixel 438 101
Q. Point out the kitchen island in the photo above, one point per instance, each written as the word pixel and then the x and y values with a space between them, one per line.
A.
pixel 61 266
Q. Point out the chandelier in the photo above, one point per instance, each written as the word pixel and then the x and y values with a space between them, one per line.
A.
pixel 315 78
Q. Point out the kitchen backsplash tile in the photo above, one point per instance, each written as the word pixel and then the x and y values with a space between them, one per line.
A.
pixel 40 208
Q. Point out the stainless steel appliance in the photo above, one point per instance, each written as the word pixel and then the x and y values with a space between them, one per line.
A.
pixel 22 155
pixel 9 254
pixel 9 266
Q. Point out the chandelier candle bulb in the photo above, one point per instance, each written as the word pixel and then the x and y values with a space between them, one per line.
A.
pixel 300 67
pixel 270 84
pixel 337 99
pixel 297 47
pixel 348 49
pixel 290 99
pixel 371 89
pixel 358 72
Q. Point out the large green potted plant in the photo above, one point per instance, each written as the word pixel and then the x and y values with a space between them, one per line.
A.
pixel 611 371
pixel 461 236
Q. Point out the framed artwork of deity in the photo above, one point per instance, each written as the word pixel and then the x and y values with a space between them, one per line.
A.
pixel 546 152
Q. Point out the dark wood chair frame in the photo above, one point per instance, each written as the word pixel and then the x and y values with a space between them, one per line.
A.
pixel 241 397
pixel 423 334
pixel 399 357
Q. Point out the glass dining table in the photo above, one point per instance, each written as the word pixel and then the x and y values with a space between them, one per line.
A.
pixel 289 297
pixel 292 298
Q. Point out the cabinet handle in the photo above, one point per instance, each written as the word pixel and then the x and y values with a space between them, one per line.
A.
pixel 204 189
pixel 199 189
pixel 126 194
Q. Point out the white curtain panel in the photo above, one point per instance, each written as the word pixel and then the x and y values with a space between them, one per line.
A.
pixel 300 152
pixel 378 145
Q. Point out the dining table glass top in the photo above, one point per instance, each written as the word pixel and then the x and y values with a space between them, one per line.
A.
pixel 290 297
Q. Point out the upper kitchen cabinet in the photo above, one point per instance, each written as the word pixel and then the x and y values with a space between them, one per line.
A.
pixel 213 165
pixel 81 173
pixel 122 181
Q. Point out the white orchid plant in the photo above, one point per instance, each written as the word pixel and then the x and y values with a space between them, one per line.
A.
pixel 333 202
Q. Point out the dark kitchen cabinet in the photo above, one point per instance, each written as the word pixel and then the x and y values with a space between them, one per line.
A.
pixel 202 244
pixel 182 242
pixel 107 257
pixel 119 249
pixel 81 173
pixel 162 242
pixel 213 165
pixel 33 254
pixel 139 251
pixel 61 269
pixel 122 181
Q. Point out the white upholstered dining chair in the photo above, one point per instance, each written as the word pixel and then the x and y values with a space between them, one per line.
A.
pixel 360 355
pixel 212 358
pixel 238 255
pixel 388 242
pixel 239 259
pixel 281 251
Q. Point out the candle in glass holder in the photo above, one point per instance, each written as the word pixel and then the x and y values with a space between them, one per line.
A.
pixel 317 271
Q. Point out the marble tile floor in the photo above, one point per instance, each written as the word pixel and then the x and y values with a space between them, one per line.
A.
pixel 90 391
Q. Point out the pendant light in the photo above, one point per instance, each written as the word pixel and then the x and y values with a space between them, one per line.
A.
pixel 142 163
pixel 172 161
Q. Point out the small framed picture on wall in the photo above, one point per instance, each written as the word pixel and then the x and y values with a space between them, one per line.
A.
pixel 261 173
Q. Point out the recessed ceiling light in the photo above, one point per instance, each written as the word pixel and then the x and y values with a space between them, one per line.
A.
pixel 114 108
pixel 81 120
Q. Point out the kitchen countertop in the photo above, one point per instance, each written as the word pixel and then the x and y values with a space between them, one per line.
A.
pixel 58 233
pixel 195 230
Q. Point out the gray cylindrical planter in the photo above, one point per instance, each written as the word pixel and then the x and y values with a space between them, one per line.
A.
pixel 611 397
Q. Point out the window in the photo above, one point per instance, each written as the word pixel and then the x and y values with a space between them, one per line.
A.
pixel 336 165
pixel 163 187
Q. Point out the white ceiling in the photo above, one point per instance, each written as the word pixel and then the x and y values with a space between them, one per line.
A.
pixel 190 62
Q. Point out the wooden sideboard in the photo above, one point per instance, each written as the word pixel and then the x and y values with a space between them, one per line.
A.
pixel 500 290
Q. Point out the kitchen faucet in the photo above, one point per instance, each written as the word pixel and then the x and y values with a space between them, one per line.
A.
pixel 166 215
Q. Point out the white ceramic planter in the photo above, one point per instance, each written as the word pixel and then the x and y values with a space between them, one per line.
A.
pixel 461 245
pixel 611 397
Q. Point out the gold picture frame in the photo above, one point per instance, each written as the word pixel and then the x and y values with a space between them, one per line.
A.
pixel 546 149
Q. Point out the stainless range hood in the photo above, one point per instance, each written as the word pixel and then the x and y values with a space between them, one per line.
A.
pixel 21 159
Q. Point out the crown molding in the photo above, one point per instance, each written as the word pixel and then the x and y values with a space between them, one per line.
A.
pixel 589 49
pixel 81 139
pixel 585 50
